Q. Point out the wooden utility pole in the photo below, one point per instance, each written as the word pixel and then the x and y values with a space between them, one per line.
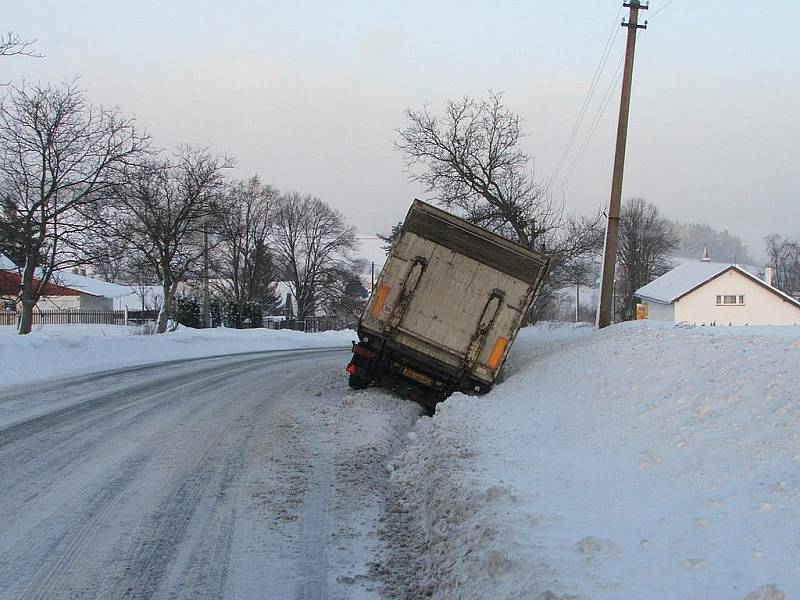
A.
pixel 206 308
pixel 604 310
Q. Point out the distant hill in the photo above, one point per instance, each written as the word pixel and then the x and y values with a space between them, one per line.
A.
pixel 722 245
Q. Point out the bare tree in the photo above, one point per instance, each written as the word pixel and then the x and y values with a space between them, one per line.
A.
pixel 313 246
pixel 784 258
pixel 242 257
pixel 471 161
pixel 646 243
pixel 160 214
pixel 11 44
pixel 581 272
pixel 60 157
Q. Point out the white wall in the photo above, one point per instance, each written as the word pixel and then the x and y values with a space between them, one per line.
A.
pixel 96 302
pixel 59 303
pixel 761 307
pixel 82 302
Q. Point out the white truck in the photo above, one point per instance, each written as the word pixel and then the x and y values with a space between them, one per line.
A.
pixel 446 308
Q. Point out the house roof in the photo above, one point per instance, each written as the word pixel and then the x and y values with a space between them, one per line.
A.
pixel 680 280
pixel 62 283
pixel 689 276
pixel 90 285
pixel 10 285
pixel 6 264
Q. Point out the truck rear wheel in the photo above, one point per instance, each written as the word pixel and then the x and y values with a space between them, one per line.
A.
pixel 357 383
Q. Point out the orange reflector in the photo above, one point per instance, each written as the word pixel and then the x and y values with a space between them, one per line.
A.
pixel 497 352
pixel 378 300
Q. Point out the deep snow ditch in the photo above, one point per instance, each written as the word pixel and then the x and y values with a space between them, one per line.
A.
pixel 65 350
pixel 642 461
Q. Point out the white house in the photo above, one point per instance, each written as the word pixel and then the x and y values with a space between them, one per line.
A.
pixel 65 291
pixel 93 294
pixel 70 290
pixel 141 297
pixel 288 301
pixel 710 293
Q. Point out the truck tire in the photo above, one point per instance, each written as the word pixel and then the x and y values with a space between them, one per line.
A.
pixel 357 383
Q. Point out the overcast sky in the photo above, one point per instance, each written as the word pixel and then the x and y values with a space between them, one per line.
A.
pixel 309 94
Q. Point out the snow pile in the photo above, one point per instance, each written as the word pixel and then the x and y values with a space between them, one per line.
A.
pixel 67 350
pixel 636 462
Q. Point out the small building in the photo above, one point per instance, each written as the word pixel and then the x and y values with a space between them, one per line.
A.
pixel 10 284
pixel 711 293
pixel 93 294
pixel 66 290
pixel 141 297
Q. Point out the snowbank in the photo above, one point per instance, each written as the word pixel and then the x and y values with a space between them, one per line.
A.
pixel 637 462
pixel 66 350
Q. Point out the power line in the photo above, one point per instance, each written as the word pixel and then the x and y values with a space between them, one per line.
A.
pixel 662 8
pixel 595 122
pixel 588 98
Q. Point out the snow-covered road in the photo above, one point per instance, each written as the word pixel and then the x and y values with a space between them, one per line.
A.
pixel 254 476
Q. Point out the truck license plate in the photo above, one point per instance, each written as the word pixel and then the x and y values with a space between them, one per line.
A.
pixel 418 377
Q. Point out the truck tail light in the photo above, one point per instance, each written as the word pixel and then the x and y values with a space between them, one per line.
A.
pixel 497 352
pixel 378 300
pixel 351 368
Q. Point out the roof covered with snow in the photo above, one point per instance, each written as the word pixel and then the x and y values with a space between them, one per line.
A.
pixel 91 286
pixel 6 264
pixel 690 275
pixel 683 278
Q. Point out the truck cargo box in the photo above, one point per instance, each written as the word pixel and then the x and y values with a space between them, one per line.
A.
pixel 447 306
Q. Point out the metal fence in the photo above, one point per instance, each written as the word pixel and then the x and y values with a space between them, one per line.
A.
pixel 83 317
pixel 140 317
pixel 309 325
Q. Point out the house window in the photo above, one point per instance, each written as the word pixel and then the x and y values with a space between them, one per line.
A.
pixel 730 300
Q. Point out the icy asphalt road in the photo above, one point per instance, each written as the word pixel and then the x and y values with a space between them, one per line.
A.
pixel 251 476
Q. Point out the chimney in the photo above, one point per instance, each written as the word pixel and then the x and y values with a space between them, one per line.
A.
pixel 768 275
pixel 705 255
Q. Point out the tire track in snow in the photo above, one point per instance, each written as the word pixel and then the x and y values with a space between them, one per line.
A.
pixel 54 454
pixel 46 551
pixel 159 494
pixel 203 490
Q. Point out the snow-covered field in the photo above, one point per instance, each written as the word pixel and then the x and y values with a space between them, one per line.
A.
pixel 65 350
pixel 641 461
